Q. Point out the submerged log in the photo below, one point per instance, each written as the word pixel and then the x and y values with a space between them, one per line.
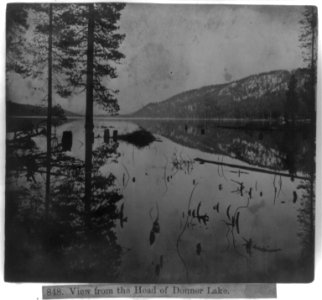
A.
pixel 254 169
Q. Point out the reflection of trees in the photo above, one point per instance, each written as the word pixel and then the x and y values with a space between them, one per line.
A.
pixel 60 246
pixel 299 146
pixel 306 214
pixel 254 153
pixel 23 156
pixel 180 163
pixel 291 149
pixel 306 233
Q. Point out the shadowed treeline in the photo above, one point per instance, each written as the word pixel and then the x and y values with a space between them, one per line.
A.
pixel 61 245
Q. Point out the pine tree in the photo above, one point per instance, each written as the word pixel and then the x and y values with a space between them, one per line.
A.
pixel 44 45
pixel 16 27
pixel 308 40
pixel 49 105
pixel 37 55
pixel 75 49
pixel 21 61
pixel 90 45
pixel 106 41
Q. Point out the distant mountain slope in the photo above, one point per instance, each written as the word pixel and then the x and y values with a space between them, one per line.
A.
pixel 17 109
pixel 256 96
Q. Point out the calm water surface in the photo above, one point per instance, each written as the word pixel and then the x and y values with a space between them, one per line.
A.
pixel 244 215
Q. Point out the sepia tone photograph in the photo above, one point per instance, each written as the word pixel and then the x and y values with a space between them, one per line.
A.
pixel 160 143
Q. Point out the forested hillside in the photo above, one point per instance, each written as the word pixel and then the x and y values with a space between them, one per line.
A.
pixel 257 96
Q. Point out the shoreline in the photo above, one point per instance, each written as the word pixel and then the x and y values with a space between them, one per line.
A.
pixel 274 121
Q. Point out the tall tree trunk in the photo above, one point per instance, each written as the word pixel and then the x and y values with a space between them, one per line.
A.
pixel 313 116
pixel 313 131
pixel 313 66
pixel 49 108
pixel 89 111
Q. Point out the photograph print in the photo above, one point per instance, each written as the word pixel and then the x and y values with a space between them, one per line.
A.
pixel 160 143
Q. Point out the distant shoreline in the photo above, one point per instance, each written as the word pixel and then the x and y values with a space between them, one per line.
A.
pixel 165 119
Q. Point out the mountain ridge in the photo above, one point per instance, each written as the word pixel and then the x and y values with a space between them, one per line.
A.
pixel 260 95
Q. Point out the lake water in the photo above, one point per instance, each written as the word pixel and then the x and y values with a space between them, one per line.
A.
pixel 198 203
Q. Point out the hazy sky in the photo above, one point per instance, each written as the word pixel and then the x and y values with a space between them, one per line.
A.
pixel 173 48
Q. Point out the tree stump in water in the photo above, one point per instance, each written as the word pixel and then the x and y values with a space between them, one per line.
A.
pixel 114 135
pixel 106 136
pixel 67 140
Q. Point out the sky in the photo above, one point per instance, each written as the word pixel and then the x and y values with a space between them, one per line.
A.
pixel 174 48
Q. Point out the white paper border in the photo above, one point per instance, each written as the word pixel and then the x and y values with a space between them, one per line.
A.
pixel 33 291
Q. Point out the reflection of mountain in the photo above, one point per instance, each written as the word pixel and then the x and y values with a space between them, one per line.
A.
pixel 256 96
pixel 285 149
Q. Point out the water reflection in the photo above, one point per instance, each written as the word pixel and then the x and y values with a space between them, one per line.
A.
pixel 170 202
pixel 282 149
pixel 59 245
